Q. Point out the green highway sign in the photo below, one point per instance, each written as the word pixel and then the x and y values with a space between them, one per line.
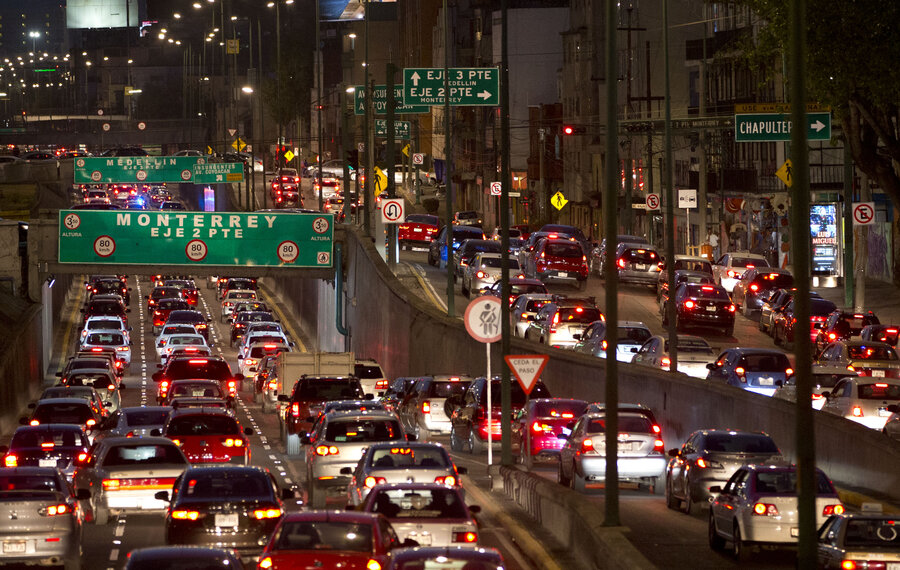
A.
pixel 468 85
pixel 218 172
pixel 401 129
pixel 125 237
pixel 379 100
pixel 135 169
pixel 769 127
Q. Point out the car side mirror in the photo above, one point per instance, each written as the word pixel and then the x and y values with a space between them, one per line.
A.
pixel 284 398
pixel 711 366
pixel 155 432
pixel 826 394
pixel 304 439
pixel 474 509
pixel 562 436
pixel 83 494
pixel 248 431
pixel 410 437
pixel 288 493
pixel 346 471
pixel 674 452
pixel 715 489
pixel 107 404
pixel 161 496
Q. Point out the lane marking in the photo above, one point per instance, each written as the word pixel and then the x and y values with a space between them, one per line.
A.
pixel 430 292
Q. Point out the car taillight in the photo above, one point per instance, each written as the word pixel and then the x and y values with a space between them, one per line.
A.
pixel 754 287
pixel 666 362
pixel 324 450
pixel 265 563
pixel 232 386
pixel 538 427
pixel 818 397
pixel 273 384
pixel 656 429
pixel 91 422
pixel 468 537
pixel 295 410
pixel 373 564
pixel 249 362
pixel 833 510
pixel 381 385
pixel 55 510
pixel 732 273
pixel 122 348
pixel 448 480
pixel 34 423
pixel 555 323
pixel 740 372
pixel 111 484
pixel 233 442
pixel 857 412
pixel 603 344
pixel 689 304
pixel 82 457
pixel 260 514
pixel 480 275
pixel 832 336
pixel 587 445
pixel 788 371
pixel 731 308
pixel 621 262
pixel 851 368
pixel 659 446
pixel 765 509
pixel 11 460
pixel 372 481
pixel 182 514
pixel 426 407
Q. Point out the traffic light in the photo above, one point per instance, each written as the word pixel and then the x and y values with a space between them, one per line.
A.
pixel 572 129
pixel 353 159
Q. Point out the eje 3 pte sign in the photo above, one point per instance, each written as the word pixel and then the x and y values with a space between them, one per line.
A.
pixel 196 238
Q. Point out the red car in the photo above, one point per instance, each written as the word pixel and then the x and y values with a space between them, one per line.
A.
pixel 419 230
pixel 161 293
pixel 331 539
pixel 162 309
pixel 209 435
pixel 558 258
pixel 205 367
pixel 537 428
pixel 783 326
pixel 286 188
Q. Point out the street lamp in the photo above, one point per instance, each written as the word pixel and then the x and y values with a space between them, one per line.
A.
pixel 34 36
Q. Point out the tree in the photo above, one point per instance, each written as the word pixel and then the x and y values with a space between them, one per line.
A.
pixel 852 54
pixel 287 94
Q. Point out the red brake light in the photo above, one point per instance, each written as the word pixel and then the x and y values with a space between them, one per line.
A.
pixel 658 445
pixel 11 460
pixel 372 481
pixel 832 336
pixel 765 509
pixel 587 445
pixel 198 361
pixel 857 412
pixel 788 371
pixel 324 450
pixel 666 362
pixel 426 407
pixel 689 304
pixel 448 480
pixel 468 537
pixel 754 287
pixel 739 371
pixel 621 263
pixel 832 510
pixel 706 288
pixel 295 410
pixel 731 308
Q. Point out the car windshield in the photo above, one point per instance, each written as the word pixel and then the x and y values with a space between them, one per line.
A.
pixel 136 418
pixel 403 457
pixel 213 485
pixel 354 430
pixel 640 256
pixel 774 280
pixel 879 391
pixel 232 295
pixel 105 308
pixel 368 371
pixel 422 219
pixel 534 305
pixel 143 454
pixel 706 292
pixel 525 288
pixel 866 352
pixel 517 395
pixel 438 503
pixel 564 250
pixel 748 262
pixel 63 413
pixel 739 443
pixel 199 368
pixel 559 409
pixel 171 304
pixel 691 345
pixel 321 535
pixel 693 265
pixel 260 351
pixel 783 482
pixel 47 439
pixel 857 322
pixel 495 262
pixel 633 335
pixel 775 362
pixel 465 232
pixel 98 381
pixel 195 424
pixel 578 315
pixel 441 389
pixel 467 215
pixel 18 485
pixel 104 324
pixel 196 390
pixel 328 389
pixel 178 329
pixel 627 424
pixel 872 533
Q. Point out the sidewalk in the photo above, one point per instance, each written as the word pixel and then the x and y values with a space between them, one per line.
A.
pixel 880 297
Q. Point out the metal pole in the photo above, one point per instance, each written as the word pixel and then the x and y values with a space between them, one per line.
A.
pixel 506 183
pixel 610 203
pixel 262 116
pixel 670 204
pixel 278 73
pixel 702 189
pixel 389 158
pixel 490 408
pixel 319 77
pixel 805 436
pixel 448 159
pixel 849 269
pixel 369 93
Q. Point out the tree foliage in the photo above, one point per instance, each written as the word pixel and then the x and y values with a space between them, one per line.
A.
pixel 286 95
pixel 853 65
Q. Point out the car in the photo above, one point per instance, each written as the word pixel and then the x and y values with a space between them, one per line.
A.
pixel 771 306
pixel 467 218
pixel 398 391
pixel 189 290
pixel 691 263
pixel 266 333
pixel 527 248
pixel 681 276
pixel 96 359
pixel 859 358
pixel 191 317
pixel 286 187
pixel 882 333
pixel 637 263
pixel 234 507
pixel 87 393
pixel 111 286
pixel 707 306
pixel 135 421
pixel 557 259
pixel 123 475
pixel 430 514
pixel 240 321
pixel 337 440
pixel 537 426
pixel 631 336
pixel 474 423
pixel 104 324
pixel 598 251
pixel 423 410
pixel 75 411
pixel 730 267
pixel 233 295
pixel 783 322
pixel 328 539
pixel 57 446
pixel 468 249
pixel 156 557
pixel 892 423
pixel 821 383
pixel 518 287
pixel 107 306
pixel 329 187
pixel 238 283
pixel 306 400
pixel 483 271
pixel 208 436
pixel 758 507
pixel 437 250
pixel 523 310
pixel 694 353
pixel 480 558
pixel 249 365
pixel 193 368
pixel 641 452
pixel 43 524
pixel 514 233
pixel 863 400
pixel 843 325
pixel 748 293
pixel 570 231
pixel 161 293
pixel 172 205
pixel 859 540
pixel 105 384
pixel 753 369
pixel 371 376
pixel 114 339
pixel 170 330
pixel 562 322
pixel 136 203
pixel 390 463
pixel 709 457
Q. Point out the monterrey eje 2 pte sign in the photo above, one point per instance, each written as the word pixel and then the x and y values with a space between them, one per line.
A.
pixel 196 238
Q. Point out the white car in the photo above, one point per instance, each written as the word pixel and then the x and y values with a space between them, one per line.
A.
pixel 864 399
pixel 110 339
pixel 758 506
pixel 254 337
pixel 234 296
pixel 562 322
pixel 249 365
pixel 170 330
pixel 729 268
pixel 484 271
pixel 179 341
pixel 371 377
pixel 694 353
pixel 631 336
pixel 106 324
pixel 524 309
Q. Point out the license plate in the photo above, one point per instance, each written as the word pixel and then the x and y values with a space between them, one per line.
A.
pixel 230 521
pixel 795 532
pixel 562 274
pixel 640 266
pixel 711 309
pixel 883 412
pixel 423 540
pixel 766 382
pixel 893 566
pixel 10 547
pixel 46 463
pixel 878 373
pixel 198 393
pixel 417 229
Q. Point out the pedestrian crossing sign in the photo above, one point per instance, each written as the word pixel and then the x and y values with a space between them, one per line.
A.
pixel 558 200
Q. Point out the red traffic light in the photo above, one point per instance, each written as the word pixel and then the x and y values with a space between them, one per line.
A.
pixel 568 130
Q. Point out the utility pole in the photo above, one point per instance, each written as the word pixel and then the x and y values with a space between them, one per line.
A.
pixel 670 203
pixel 702 201
pixel 369 137
pixel 319 77
pixel 505 184
pixel 390 71
pixel 849 268
pixel 448 171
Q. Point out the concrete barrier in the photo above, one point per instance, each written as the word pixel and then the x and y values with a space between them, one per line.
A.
pixel 409 336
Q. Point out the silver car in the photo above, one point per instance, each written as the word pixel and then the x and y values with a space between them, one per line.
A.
pixel 562 322
pixel 40 521
pixel 631 335
pixel 710 457
pixel 484 271
pixel 136 421
pixel 101 380
pixel 338 440
pixel 524 309
pixel 637 263
pixel 124 474
pixel 694 353
pixel 424 412
pixel 387 463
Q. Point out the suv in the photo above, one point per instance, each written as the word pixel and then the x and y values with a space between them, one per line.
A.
pixel 107 306
pixel 841 325
pixel 205 367
pixel 467 251
pixel 467 218
pixel 163 309
pixel 425 412
pixel 637 263
pixel 755 285
pixel 469 413
pixel 306 400
pixel 209 436
pixel 161 293
pixel 190 317
pixel 233 296
pixel 460 234
pixel 240 321
pixel 729 268
pixel 371 377
pixel 558 258
pixel 338 440
pixel 562 322
pixel 59 446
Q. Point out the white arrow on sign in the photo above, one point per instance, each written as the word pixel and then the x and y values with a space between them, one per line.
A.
pixel 527 368
pixel 818 125
pixel 415 78
pixel 485 95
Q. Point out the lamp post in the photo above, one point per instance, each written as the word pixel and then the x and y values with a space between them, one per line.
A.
pixel 34 36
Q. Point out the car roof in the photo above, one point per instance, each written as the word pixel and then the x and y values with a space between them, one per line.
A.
pixel 144 439
pixel 80 401
pixel 357 517
pixel 453 553
pixel 368 414
pixel 177 413
pixel 633 324
pixel 46 471
pixel 50 427
pixel 410 444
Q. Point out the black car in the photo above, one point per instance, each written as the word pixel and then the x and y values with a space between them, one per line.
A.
pixel 842 325
pixel 882 333
pixel 570 231
pixel 681 276
pixel 466 252
pixel 182 558
pixel 105 305
pixel 111 286
pixel 755 285
pixel 460 234
pixel 55 445
pixel 703 306
pixel 233 507
pixel 191 317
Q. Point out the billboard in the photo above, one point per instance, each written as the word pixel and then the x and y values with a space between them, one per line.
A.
pixel 101 13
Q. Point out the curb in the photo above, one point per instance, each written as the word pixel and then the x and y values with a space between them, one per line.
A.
pixel 857 500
